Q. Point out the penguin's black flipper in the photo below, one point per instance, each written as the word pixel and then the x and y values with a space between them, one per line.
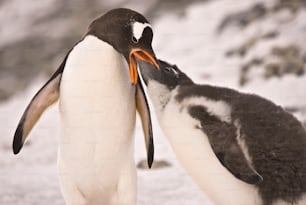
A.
pixel 236 163
pixel 223 139
pixel 144 112
pixel 45 97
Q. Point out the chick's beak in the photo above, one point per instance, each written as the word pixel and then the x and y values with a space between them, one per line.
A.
pixel 141 55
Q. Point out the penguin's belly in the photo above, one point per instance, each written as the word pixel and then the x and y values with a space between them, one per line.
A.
pixel 195 154
pixel 97 116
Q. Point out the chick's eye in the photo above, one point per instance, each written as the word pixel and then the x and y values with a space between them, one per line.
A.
pixel 168 70
pixel 172 71
pixel 134 39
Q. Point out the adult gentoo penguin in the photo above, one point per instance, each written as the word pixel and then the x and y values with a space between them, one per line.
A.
pixel 98 110
pixel 241 149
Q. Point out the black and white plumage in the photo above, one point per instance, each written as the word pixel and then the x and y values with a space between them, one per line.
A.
pixel 241 149
pixel 98 91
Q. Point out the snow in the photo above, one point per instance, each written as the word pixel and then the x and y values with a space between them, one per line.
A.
pixel 190 42
pixel 193 44
pixel 23 11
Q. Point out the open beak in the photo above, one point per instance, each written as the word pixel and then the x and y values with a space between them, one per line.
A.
pixel 141 55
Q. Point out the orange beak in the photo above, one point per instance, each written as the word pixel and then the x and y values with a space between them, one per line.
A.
pixel 141 55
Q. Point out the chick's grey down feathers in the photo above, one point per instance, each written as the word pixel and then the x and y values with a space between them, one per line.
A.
pixel 275 139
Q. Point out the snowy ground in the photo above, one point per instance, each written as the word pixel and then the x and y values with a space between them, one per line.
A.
pixel 191 43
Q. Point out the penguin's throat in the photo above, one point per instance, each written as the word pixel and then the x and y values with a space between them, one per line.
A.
pixel 159 94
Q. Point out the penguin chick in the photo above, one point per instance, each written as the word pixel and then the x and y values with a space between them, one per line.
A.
pixel 241 149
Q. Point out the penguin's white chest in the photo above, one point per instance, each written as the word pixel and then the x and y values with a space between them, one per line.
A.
pixel 97 107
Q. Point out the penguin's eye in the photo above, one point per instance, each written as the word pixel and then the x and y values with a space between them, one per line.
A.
pixel 134 39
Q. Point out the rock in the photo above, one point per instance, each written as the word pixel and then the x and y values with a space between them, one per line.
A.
pixel 157 164
pixel 245 68
pixel 243 49
pixel 288 65
pixel 286 60
pixel 243 79
pixel 290 50
pixel 243 18
pixel 270 35
pixel 178 7
pixel 272 69
pixel 292 5
pixel 290 62
pixel 257 12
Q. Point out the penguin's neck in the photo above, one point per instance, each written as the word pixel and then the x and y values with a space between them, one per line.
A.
pixel 160 96
pixel 95 60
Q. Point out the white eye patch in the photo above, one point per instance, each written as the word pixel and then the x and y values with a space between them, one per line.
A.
pixel 138 29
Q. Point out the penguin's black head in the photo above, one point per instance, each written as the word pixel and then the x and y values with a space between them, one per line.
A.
pixel 168 75
pixel 129 33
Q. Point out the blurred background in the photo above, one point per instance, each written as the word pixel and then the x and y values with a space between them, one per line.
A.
pixel 255 46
